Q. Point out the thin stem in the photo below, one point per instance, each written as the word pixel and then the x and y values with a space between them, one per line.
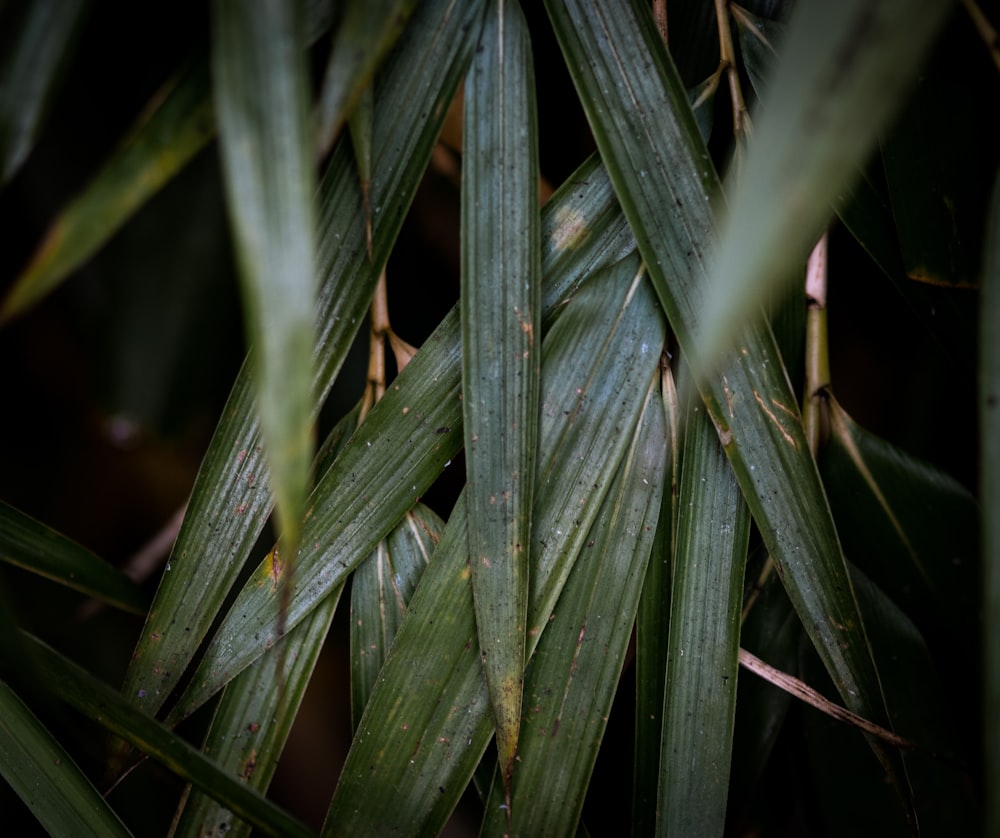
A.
pixel 986 30
pixel 815 414
pixel 727 55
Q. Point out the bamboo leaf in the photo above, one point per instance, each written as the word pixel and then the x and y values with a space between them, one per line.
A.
pixel 989 440
pixel 39 39
pixel 427 723
pixel 102 704
pixel 29 544
pixel 380 590
pixel 844 71
pixel 367 31
pixel 45 776
pixel 665 182
pixel 421 408
pixel 574 674
pixel 261 98
pixel 500 307
pixel 231 499
pixel 706 598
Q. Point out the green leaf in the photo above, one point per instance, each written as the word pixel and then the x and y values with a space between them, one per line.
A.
pixel 37 44
pixel 231 499
pixel 759 37
pixel 261 100
pixel 664 179
pixel 380 590
pixel 29 544
pixel 706 597
pixel 177 123
pixel 651 629
pixel 45 776
pixel 573 677
pixel 989 440
pixel 102 704
pixel 501 311
pixel 366 33
pixel 844 71
pixel 427 723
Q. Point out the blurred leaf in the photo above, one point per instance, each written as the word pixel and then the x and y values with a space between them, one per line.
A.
pixel 231 498
pixel 501 311
pixel 367 31
pixel 261 100
pixel 664 180
pixel 427 722
pixel 176 124
pixel 844 71
pixel 573 677
pixel 29 544
pixel 45 776
pixel 102 704
pixel 252 722
pixel 652 626
pixel 989 440
pixel 37 44
pixel 914 529
pixel 380 590
pixel 706 596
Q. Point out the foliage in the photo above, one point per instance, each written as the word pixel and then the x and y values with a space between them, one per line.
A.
pixel 609 498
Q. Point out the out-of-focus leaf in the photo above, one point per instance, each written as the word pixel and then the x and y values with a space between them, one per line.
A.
pixel 912 528
pixel 664 179
pixel 573 676
pixel 843 73
pixel 989 441
pixel 38 41
pixel 45 776
pixel 652 627
pixel 252 722
pixel 427 722
pixel 31 545
pixel 231 499
pixel 261 101
pixel 367 31
pixel 99 702
pixel 380 590
pixel 706 597
pixel 501 350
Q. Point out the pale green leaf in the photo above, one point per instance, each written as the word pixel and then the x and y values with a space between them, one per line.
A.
pixel 501 349
pixel 46 778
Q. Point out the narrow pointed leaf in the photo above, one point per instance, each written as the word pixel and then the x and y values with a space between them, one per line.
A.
pixel 380 590
pixel 989 438
pixel 261 98
pixel 421 408
pixel 665 182
pixel 37 45
pixel 501 349
pixel 45 776
pixel 844 71
pixel 102 704
pixel 367 31
pixel 573 676
pixel 699 704
pixel 31 545
pixel 427 723
pixel 231 499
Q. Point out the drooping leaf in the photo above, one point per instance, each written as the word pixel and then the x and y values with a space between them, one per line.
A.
pixel 501 350
pixel 102 704
pixel 574 673
pixel 261 100
pixel 665 183
pixel 706 598
pixel 427 722
pixel 37 43
pixel 231 499
pixel 45 776
pixel 31 545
